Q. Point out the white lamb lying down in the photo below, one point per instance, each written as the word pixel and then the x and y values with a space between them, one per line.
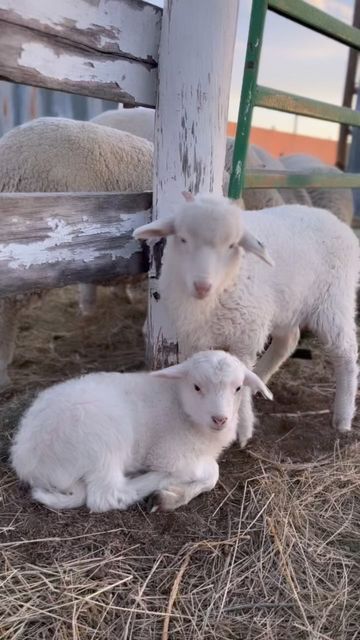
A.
pixel 219 294
pixel 108 440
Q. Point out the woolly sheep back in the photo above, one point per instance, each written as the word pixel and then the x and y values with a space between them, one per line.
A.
pixel 59 154
pixel 139 121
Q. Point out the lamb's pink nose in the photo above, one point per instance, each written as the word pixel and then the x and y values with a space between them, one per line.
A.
pixel 219 420
pixel 202 288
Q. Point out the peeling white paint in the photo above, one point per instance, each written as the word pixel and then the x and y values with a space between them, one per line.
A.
pixel 135 31
pixel 135 79
pixel 196 51
pixel 51 249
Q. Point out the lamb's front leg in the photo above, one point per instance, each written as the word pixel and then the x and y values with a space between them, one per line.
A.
pixel 184 487
pixel 140 487
pixel 108 488
pixel 247 418
pixel 280 349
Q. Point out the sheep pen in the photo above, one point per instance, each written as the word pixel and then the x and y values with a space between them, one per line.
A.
pixel 272 552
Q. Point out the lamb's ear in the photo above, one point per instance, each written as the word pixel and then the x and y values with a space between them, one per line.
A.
pixel 176 371
pixel 251 244
pixel 187 196
pixel 157 229
pixel 253 381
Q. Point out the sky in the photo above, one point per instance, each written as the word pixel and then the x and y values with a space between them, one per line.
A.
pixel 314 66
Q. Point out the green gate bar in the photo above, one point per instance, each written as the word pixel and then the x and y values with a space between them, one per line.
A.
pixel 264 179
pixel 254 95
pixel 308 16
pixel 252 59
pixel 291 103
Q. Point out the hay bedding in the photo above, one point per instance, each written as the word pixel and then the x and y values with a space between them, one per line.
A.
pixel 272 552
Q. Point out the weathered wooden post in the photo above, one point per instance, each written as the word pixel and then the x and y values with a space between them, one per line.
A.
pixel 195 63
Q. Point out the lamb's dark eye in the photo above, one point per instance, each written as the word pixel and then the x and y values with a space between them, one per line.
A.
pixel 196 387
pixel 237 389
pixel 183 240
pixel 232 246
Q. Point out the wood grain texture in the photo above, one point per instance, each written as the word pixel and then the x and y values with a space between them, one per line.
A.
pixel 196 52
pixel 52 240
pixel 106 49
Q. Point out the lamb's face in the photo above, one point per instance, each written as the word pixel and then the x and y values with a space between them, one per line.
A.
pixel 205 243
pixel 206 246
pixel 209 385
pixel 210 392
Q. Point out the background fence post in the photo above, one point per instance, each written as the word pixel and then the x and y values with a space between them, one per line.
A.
pixel 195 64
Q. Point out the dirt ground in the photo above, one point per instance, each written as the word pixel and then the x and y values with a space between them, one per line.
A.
pixel 272 552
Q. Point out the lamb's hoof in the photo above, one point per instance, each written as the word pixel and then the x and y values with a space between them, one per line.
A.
pixel 342 425
pixel 243 440
pixel 167 499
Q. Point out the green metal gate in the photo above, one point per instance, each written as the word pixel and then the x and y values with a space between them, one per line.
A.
pixel 254 95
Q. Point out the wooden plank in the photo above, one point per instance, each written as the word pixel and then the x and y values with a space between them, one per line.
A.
pixel 106 49
pixel 54 239
pixel 196 53
pixel 305 14
pixel 290 180
pixel 127 27
pixel 291 103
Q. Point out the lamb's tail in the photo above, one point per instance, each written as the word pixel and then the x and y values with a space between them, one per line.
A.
pixel 56 500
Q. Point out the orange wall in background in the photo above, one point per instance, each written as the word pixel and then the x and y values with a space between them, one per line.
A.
pixel 279 143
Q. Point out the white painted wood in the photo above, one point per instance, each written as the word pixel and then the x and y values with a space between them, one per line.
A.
pixel 52 239
pixel 195 63
pixel 130 27
pixel 105 48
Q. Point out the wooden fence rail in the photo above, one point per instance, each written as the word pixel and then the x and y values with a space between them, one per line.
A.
pixel 52 240
pixel 106 49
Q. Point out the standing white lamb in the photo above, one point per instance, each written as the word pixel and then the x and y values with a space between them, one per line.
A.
pixel 220 294
pixel 59 154
pixel 108 440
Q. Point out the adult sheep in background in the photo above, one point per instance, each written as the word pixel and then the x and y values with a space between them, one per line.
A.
pixel 108 440
pixel 59 154
pixel 140 121
pixel 220 292
pixel 289 196
pixel 338 201
pixel 253 198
